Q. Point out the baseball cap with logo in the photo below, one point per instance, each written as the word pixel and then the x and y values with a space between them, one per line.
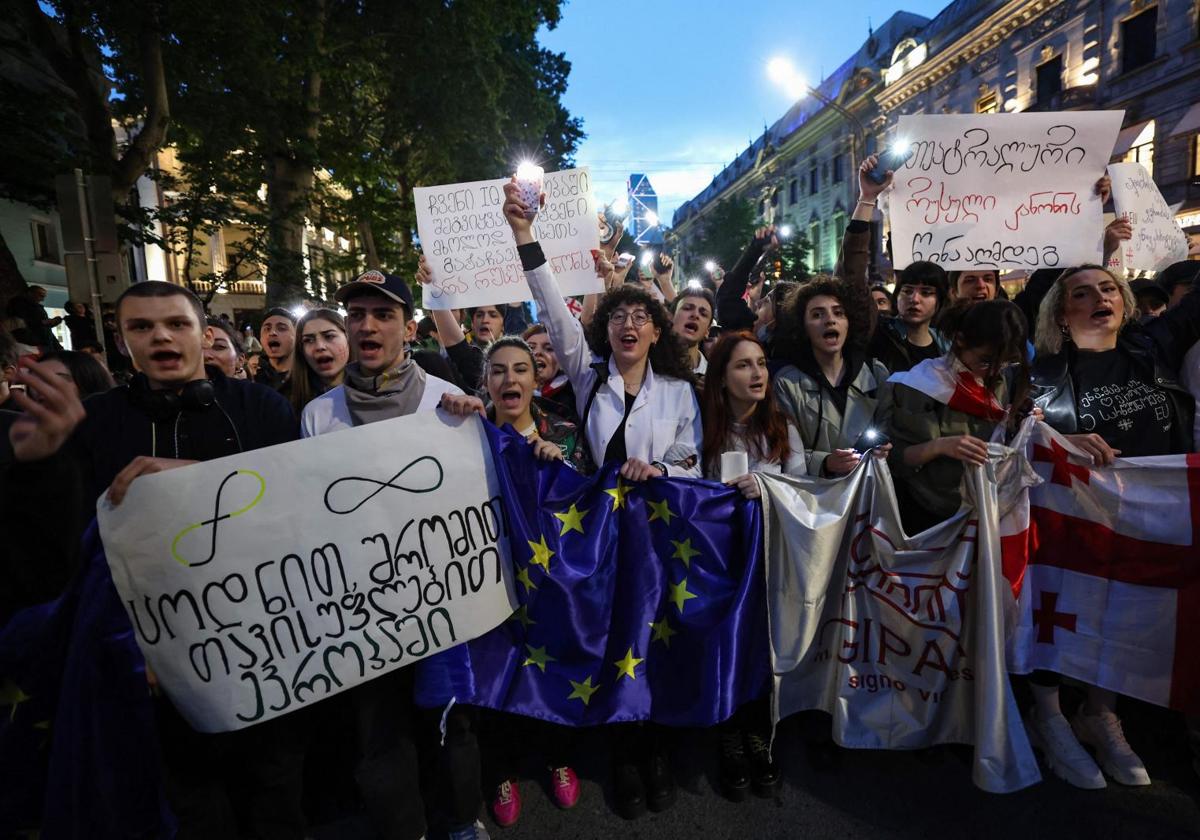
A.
pixel 375 282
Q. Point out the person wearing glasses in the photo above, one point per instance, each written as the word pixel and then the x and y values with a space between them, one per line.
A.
pixel 941 414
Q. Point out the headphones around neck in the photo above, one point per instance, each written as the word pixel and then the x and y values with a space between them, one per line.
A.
pixel 164 405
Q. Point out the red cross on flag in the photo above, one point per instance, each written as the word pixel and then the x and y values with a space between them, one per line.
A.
pixel 1111 595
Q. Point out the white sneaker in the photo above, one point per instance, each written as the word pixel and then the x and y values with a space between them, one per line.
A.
pixel 1062 752
pixel 1103 733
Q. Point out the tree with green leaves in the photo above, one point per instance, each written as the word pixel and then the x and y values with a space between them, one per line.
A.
pixel 724 232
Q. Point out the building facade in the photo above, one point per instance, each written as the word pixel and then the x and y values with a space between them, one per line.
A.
pixel 981 56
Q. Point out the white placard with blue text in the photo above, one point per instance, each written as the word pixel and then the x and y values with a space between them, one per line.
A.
pixel 1001 191
pixel 264 582
pixel 470 248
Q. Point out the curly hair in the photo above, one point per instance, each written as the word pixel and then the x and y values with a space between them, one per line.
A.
pixel 667 357
pixel 791 339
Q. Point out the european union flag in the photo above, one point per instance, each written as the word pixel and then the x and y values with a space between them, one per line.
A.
pixel 638 601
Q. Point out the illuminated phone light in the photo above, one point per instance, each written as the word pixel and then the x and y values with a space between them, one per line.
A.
pixel 785 231
pixel 530 172
pixel 710 266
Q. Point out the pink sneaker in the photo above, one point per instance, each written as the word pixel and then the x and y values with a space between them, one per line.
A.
pixel 507 805
pixel 564 784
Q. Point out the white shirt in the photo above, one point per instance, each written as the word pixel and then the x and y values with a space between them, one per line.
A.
pixel 665 413
pixel 329 412
pixel 795 465
pixel 701 367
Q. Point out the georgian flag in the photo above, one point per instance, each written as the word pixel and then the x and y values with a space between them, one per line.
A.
pixel 948 382
pixel 1111 594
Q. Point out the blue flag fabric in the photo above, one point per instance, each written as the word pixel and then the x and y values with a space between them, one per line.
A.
pixel 638 601
pixel 77 733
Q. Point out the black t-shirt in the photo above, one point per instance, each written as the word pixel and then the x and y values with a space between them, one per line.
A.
pixel 616 447
pixel 916 354
pixel 1114 400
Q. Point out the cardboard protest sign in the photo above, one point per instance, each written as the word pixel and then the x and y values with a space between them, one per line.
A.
pixel 470 248
pixel 264 582
pixel 1157 240
pixel 1001 191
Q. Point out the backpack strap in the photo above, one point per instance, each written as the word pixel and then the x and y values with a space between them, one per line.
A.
pixel 601 371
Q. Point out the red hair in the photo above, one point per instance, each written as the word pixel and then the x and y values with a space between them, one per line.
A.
pixel 766 432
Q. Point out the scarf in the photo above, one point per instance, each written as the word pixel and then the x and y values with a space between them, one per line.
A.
pixel 950 383
pixel 394 393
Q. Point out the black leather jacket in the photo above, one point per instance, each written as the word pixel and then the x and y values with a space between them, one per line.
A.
pixel 1156 350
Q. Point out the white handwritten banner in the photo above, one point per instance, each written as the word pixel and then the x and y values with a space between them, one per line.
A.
pixel 1157 239
pixel 264 582
pixel 470 248
pixel 1002 191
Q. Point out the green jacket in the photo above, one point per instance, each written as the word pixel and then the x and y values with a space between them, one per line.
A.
pixel 910 417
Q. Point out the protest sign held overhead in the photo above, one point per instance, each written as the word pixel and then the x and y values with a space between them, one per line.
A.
pixel 1157 240
pixel 471 252
pixel 263 582
pixel 1001 191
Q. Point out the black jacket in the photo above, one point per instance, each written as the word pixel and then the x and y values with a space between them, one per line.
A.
pixel 1156 350
pixel 889 346
pixel 41 523
pixel 246 416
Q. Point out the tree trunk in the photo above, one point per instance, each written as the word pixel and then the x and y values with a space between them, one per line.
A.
pixel 11 281
pixel 290 179
pixel 140 153
pixel 367 235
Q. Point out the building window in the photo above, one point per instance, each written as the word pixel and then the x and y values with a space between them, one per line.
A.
pixel 839 225
pixel 989 104
pixel 775 198
pixel 1196 156
pixel 793 191
pixel 814 238
pixel 1138 39
pixel 812 180
pixel 1049 80
pixel 45 242
pixel 837 169
pixel 1142 150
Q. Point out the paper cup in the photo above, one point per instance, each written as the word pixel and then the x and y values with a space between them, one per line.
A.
pixel 530 179
pixel 734 465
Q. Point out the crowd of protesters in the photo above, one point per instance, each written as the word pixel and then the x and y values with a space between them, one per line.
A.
pixel 664 381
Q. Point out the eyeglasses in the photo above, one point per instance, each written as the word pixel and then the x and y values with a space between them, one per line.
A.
pixel 639 318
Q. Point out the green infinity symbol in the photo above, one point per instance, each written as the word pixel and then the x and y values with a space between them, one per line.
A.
pixel 217 517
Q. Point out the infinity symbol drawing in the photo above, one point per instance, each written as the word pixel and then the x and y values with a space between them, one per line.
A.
pixel 217 517
pixel 380 486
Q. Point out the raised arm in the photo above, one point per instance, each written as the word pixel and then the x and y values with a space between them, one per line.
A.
pixel 732 311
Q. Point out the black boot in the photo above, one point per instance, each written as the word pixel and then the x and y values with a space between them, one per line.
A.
pixel 660 785
pixel 735 768
pixel 628 791
pixel 764 773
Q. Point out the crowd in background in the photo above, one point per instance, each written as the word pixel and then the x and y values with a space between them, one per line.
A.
pixel 662 379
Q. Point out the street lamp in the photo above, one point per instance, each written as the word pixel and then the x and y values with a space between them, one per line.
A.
pixel 783 73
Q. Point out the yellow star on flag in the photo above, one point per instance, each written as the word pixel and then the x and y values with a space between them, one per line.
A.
pixel 618 493
pixel 627 665
pixel 523 578
pixel 571 519
pixel 541 553
pixel 684 552
pixel 680 595
pixel 663 631
pixel 522 615
pixel 538 656
pixel 582 690
pixel 661 511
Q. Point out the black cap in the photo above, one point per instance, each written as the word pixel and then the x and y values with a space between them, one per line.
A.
pixel 377 283
pixel 1184 272
pixel 1146 286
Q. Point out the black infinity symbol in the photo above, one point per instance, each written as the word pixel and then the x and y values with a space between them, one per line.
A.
pixel 380 486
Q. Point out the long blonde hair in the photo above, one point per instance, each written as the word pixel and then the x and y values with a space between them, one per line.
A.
pixel 1048 338
pixel 306 385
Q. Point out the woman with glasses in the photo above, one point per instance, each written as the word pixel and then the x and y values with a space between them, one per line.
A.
pixel 941 414
pixel 635 401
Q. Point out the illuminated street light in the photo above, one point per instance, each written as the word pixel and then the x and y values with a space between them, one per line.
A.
pixel 780 69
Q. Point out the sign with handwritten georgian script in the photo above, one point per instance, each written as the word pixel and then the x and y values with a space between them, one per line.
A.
pixel 470 248
pixel 1001 191
pixel 1157 239
pixel 264 582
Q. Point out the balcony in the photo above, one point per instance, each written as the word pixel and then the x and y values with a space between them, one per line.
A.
pixel 241 287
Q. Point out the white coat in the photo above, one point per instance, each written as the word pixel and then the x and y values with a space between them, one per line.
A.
pixel 665 413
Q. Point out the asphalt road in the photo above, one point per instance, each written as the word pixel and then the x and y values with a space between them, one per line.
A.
pixel 869 794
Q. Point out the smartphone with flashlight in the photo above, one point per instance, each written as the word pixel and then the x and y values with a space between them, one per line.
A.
pixel 625 260
pixel 613 217
pixel 660 264
pixel 890 159
pixel 871 438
